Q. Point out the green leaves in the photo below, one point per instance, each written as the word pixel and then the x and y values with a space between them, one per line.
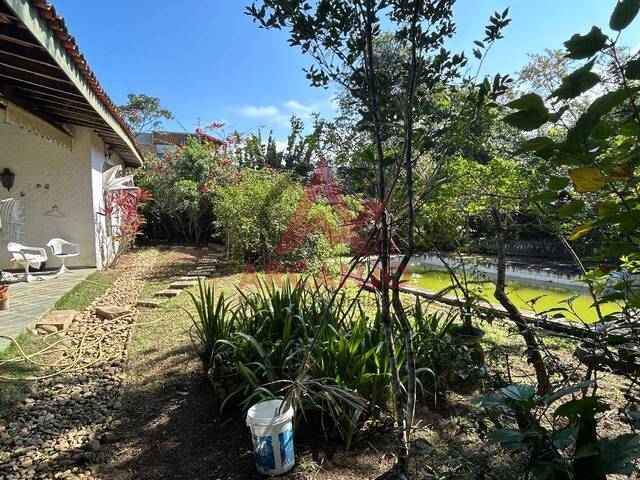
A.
pixel 571 209
pixel 530 100
pixel 580 231
pixel 623 14
pixel 583 128
pixel 519 391
pixel 531 113
pixel 565 437
pixel 558 183
pixel 539 145
pixel 632 69
pixel 581 409
pixel 509 438
pixel 577 83
pixel 607 102
pixel 586 46
pixel 617 454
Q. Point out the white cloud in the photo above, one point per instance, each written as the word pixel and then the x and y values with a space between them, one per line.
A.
pixel 253 111
pixel 296 106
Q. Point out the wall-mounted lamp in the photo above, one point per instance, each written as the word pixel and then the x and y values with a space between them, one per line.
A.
pixel 6 178
pixel 109 152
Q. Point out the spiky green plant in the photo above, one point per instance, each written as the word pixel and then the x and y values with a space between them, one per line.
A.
pixel 213 323
pixel 440 360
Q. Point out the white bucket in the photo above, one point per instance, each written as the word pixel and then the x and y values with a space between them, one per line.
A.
pixel 272 436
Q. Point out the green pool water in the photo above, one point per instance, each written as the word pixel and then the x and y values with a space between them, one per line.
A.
pixel 520 293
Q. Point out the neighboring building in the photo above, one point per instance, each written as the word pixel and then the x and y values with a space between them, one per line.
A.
pixel 60 134
pixel 163 142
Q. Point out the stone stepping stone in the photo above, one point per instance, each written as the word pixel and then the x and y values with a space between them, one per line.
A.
pixel 190 278
pixel 57 320
pixel 148 303
pixel 181 285
pixel 200 273
pixel 110 312
pixel 168 293
pixel 206 267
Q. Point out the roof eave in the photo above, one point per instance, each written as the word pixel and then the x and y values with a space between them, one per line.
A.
pixel 39 28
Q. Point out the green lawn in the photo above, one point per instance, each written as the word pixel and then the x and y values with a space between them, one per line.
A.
pixel 80 296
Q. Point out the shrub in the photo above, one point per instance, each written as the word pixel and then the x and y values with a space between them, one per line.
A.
pixel 312 238
pixel 570 442
pixel 182 184
pixel 255 210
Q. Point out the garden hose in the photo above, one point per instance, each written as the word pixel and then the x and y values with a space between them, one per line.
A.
pixel 77 355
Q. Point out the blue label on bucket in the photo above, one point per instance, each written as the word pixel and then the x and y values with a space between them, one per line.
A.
pixel 263 452
pixel 286 446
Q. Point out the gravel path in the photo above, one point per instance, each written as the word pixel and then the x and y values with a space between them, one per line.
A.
pixel 57 432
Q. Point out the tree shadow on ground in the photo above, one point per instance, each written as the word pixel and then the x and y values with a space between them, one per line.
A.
pixel 171 430
pixel 170 427
pixel 183 261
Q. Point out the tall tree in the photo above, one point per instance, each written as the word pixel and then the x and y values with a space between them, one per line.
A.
pixel 144 113
pixel 341 38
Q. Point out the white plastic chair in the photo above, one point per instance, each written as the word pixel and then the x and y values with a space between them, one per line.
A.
pixel 27 257
pixel 63 250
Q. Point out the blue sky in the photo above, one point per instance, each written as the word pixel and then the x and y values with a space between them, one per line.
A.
pixel 208 62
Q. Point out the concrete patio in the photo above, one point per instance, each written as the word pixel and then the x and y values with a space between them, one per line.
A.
pixel 30 301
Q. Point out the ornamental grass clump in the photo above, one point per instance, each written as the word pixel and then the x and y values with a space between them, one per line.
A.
pixel 213 324
pixel 322 351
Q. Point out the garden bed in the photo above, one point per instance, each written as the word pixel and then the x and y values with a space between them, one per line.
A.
pixel 170 427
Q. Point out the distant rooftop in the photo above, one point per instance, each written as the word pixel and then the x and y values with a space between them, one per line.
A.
pixel 162 141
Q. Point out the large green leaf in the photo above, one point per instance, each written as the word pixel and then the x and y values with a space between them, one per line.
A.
pixel 579 134
pixel 519 391
pixel 580 231
pixel 632 69
pixel 585 46
pixel 618 454
pixel 509 438
pixel 558 183
pixel 607 102
pixel 538 144
pixel 532 112
pixel 526 121
pixel 530 100
pixel 571 209
pixel 577 83
pixel 549 398
pixel 623 14
pixel 607 208
pixel 565 437
pixel 581 409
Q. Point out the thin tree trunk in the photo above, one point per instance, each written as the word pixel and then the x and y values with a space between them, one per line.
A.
pixel 533 348
pixel 385 312
pixel 405 324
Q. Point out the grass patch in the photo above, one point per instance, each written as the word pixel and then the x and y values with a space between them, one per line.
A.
pixel 12 392
pixel 80 296
pixel 150 288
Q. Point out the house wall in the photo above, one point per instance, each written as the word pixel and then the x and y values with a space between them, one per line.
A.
pixel 99 163
pixel 47 175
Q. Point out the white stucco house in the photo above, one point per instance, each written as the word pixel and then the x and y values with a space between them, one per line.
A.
pixel 59 134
